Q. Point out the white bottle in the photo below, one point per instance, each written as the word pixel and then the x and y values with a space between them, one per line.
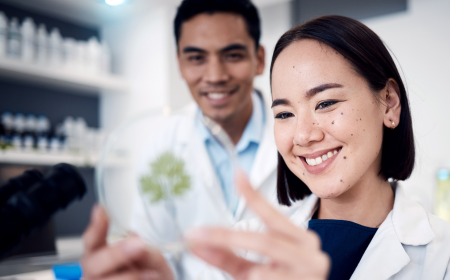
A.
pixel 3 34
pixel 68 53
pixel 55 44
pixel 93 56
pixel 106 59
pixel 42 45
pixel 28 30
pixel 14 39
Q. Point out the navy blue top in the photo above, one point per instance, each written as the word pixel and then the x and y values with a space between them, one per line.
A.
pixel 345 242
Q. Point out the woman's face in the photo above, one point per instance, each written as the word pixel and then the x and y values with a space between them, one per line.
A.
pixel 328 123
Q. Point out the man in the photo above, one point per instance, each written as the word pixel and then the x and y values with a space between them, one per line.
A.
pixel 219 56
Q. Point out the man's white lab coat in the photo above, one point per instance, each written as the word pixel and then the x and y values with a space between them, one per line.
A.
pixel 206 203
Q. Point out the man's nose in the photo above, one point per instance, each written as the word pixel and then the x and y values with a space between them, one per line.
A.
pixel 216 71
pixel 307 131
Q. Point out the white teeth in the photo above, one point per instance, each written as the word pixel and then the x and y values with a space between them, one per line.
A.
pixel 319 160
pixel 216 95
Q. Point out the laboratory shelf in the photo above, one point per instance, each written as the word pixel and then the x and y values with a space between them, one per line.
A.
pixel 49 159
pixel 82 82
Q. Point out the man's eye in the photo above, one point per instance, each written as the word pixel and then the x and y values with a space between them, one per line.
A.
pixel 326 104
pixel 234 56
pixel 284 115
pixel 195 58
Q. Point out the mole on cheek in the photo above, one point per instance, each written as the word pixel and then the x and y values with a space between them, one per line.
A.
pixel 352 134
pixel 341 180
pixel 342 113
pixel 345 157
pixel 332 122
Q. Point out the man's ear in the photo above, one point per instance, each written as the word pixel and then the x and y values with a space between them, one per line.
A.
pixel 391 97
pixel 260 60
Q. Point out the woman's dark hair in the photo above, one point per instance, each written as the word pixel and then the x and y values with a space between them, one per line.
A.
pixel 369 57
pixel 190 8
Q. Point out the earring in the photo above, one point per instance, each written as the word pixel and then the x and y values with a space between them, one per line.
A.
pixel 393 125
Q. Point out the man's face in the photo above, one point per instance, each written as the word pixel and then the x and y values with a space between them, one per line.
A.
pixel 218 59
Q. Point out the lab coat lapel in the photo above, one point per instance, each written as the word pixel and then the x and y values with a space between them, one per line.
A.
pixel 265 162
pixel 406 224
pixel 384 256
pixel 196 151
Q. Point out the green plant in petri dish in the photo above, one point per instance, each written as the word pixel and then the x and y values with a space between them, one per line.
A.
pixel 167 178
pixel 443 194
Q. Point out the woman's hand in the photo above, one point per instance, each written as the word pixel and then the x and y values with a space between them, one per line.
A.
pixel 293 253
pixel 129 259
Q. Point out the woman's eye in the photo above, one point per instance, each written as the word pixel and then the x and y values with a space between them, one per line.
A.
pixel 326 104
pixel 284 115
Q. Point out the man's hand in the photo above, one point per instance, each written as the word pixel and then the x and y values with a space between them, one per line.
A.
pixel 130 258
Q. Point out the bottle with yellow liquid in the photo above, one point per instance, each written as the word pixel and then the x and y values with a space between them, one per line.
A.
pixel 443 194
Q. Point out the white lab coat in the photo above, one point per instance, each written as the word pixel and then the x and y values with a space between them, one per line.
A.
pixel 181 135
pixel 410 244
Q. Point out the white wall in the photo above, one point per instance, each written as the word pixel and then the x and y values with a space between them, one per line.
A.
pixel 420 40
pixel 275 20
pixel 140 46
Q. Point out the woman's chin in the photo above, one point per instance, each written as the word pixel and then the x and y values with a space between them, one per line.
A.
pixel 328 192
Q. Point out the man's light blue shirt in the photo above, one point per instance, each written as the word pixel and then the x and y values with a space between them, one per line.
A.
pixel 246 149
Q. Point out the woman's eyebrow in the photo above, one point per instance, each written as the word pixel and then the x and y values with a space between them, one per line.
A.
pixel 277 102
pixel 315 90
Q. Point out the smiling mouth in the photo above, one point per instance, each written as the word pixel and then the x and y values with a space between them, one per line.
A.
pixel 322 158
pixel 219 94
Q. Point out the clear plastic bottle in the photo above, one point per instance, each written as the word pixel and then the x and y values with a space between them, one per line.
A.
pixel 42 45
pixel 28 31
pixel 55 46
pixel 3 34
pixel 14 39
pixel 42 126
pixel 19 124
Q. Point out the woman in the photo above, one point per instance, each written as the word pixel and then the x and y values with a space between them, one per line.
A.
pixel 343 129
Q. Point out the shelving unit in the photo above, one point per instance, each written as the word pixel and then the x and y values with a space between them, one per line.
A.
pixel 48 159
pixel 61 78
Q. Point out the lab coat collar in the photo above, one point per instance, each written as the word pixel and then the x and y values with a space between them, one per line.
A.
pixel 265 162
pixel 406 224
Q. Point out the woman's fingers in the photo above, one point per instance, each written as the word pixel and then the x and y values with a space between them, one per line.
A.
pixel 130 275
pixel 224 259
pixel 276 247
pixel 274 220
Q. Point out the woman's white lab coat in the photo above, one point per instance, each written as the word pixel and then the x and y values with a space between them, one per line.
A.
pixel 410 244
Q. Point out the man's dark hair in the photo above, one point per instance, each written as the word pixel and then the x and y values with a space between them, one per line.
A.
pixel 245 8
pixel 369 57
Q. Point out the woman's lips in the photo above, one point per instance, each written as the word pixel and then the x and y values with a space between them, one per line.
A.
pixel 317 166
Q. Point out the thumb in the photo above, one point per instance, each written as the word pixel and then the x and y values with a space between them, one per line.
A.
pixel 94 236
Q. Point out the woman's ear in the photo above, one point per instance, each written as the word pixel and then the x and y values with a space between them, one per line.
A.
pixel 391 97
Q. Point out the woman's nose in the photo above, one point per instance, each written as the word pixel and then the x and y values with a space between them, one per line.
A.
pixel 307 131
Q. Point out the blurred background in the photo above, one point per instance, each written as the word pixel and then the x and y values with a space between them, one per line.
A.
pixel 95 64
